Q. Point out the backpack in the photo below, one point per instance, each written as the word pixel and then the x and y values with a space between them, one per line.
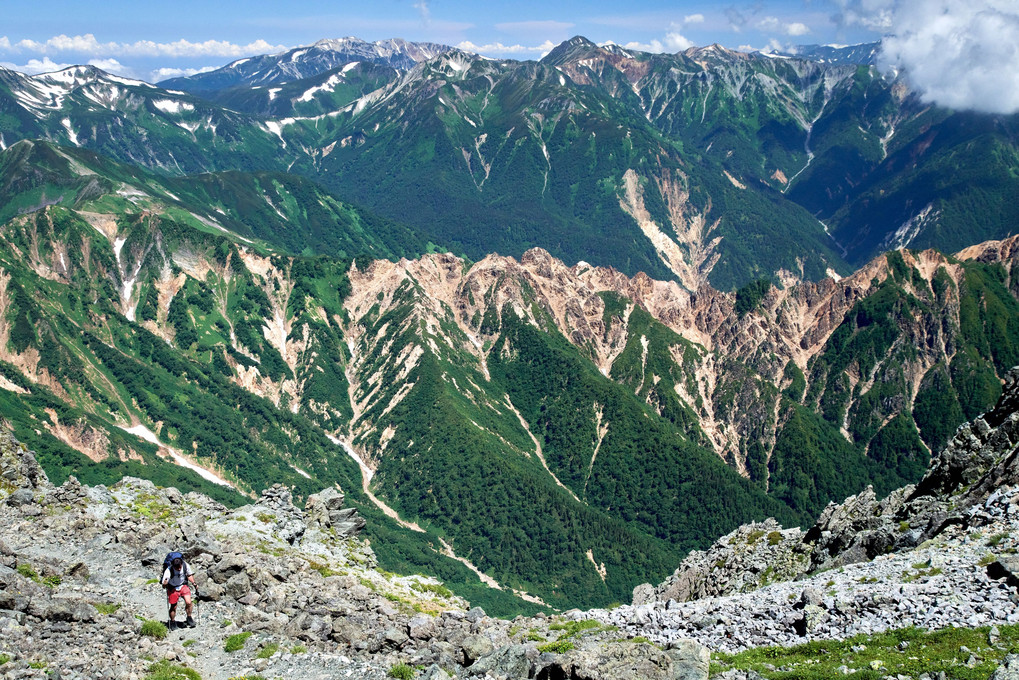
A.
pixel 170 557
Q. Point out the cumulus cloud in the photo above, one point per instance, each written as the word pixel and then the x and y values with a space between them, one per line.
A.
pixel 167 72
pixel 962 54
pixel 498 48
pixel 34 66
pixel 88 44
pixel 113 66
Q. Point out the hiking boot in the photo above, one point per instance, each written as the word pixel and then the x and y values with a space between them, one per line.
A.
pixel 171 625
pixel 191 622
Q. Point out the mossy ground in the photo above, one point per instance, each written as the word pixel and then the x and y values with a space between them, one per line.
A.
pixel 960 653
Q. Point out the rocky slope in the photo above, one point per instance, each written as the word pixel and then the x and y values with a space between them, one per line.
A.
pixel 304 596
pixel 298 593
pixel 934 555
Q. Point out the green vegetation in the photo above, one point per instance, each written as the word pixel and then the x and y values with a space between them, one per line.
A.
pixel 167 670
pixel 4 658
pixel 154 629
pixel 267 651
pixel 909 651
pixel 298 649
pixel 560 646
pixel 236 642
pixel 749 297
pixel 28 571
pixel 401 671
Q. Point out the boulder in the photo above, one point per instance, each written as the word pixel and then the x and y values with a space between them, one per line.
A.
pixel 684 660
pixel 1008 670
pixel 509 662
pixel 475 647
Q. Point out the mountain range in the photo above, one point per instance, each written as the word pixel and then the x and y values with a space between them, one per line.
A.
pixel 553 324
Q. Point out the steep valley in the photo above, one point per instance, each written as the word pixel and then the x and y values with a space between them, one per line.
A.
pixel 566 430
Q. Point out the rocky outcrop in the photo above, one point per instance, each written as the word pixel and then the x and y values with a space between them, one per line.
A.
pixel 326 510
pixel 977 466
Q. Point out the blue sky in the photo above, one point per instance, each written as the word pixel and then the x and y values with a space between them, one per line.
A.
pixel 156 40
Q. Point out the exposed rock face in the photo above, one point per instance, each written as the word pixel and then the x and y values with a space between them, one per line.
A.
pixel 740 357
pixel 978 462
pixel 326 510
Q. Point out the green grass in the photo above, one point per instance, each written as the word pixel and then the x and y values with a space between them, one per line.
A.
pixel 28 571
pixel 167 670
pixel 154 629
pixel 106 608
pixel 4 658
pixel 298 649
pixel 235 642
pixel 560 646
pixel 930 652
pixel 267 651
pixel 573 628
pixel 401 671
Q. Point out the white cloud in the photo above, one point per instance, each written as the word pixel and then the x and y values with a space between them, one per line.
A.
pixel 498 48
pixel 34 66
pixel 167 72
pixel 774 25
pixel 88 44
pixel 113 66
pixel 962 54
pixel 796 28
pixel 693 19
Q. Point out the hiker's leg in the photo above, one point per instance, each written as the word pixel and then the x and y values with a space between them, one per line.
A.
pixel 187 604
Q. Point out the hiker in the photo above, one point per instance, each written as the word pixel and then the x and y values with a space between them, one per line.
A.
pixel 175 578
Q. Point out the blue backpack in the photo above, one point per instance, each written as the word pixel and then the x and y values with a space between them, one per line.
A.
pixel 168 560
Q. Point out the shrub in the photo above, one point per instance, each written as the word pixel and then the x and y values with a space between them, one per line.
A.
pixel 166 670
pixel 106 608
pixel 401 671
pixel 298 649
pixel 4 658
pixel 236 642
pixel 267 651
pixel 774 538
pixel 560 646
pixel 154 629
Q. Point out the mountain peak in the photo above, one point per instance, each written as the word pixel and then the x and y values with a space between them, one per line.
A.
pixel 577 47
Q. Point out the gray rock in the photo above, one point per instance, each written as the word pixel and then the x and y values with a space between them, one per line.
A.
pixel 237 586
pixel 511 661
pixel 476 614
pixel 20 497
pixel 395 638
pixel 475 647
pixel 1008 670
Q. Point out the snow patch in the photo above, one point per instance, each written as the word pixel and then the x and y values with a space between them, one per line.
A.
pixel 71 134
pixel 170 106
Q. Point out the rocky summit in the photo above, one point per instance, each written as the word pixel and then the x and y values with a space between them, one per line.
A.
pixel 286 592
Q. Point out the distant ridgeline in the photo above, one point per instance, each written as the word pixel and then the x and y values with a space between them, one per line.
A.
pixel 704 166
pixel 569 429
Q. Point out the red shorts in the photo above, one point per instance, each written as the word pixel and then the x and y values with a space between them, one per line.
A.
pixel 174 595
